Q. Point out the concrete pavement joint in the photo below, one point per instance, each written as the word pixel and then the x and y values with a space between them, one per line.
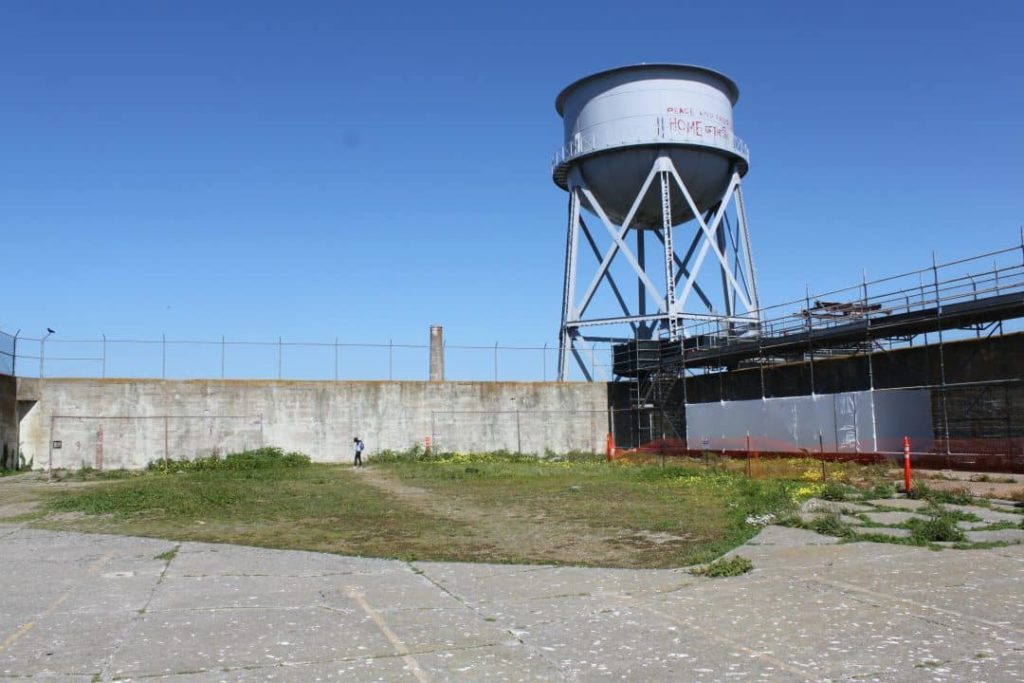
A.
pixel 736 645
pixel 31 624
pixel 886 598
pixel 13 530
pixel 290 664
pixel 511 633
pixel 414 667
pixel 139 615
pixel 299 575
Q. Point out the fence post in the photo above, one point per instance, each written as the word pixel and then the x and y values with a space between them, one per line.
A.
pixel 748 454
pixel 519 438
pixel 49 462
pixel 810 334
pixel 906 464
pixel 821 456
pixel 942 353
pixel 42 356
pixel 14 355
pixel 611 428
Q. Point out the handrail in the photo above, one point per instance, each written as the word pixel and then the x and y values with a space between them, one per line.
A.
pixel 941 288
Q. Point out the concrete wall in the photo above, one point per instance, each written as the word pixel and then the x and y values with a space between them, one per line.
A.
pixel 8 422
pixel 127 423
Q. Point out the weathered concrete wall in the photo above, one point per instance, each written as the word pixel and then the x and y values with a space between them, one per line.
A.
pixel 8 422
pixel 127 423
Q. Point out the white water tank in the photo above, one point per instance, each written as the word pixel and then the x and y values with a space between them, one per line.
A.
pixel 618 122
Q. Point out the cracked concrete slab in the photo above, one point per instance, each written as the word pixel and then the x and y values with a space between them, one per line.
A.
pixel 883 531
pixel 1000 535
pixel 987 515
pixel 887 518
pixel 90 605
pixel 899 503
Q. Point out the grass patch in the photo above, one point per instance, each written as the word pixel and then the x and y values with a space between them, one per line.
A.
pixel 92 474
pixel 316 507
pixel 269 457
pixel 935 530
pixel 733 566
pixel 958 496
pixel 648 515
pixel 574 509
pixel 830 524
pixel 169 555
pixel 993 479
pixel 836 491
pixel 880 490
pixel 936 510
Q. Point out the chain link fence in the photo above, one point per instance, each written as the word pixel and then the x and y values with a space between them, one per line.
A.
pixel 8 352
pixel 519 431
pixel 165 358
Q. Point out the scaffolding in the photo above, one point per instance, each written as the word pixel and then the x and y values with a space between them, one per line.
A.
pixel 850 339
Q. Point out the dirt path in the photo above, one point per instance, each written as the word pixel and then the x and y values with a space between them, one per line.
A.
pixel 21 494
pixel 521 534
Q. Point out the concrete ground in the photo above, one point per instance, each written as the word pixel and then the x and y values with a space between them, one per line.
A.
pixel 78 607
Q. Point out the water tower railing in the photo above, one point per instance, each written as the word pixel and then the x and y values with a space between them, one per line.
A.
pixel 584 144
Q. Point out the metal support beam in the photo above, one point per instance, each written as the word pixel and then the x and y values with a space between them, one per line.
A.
pixel 569 289
pixel 666 236
pixel 664 307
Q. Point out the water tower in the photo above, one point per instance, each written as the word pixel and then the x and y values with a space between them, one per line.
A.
pixel 648 148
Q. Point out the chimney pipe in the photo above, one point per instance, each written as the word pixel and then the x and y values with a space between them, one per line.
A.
pixel 436 353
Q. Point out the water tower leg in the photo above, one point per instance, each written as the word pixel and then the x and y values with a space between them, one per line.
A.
pixel 741 216
pixel 720 237
pixel 565 336
pixel 642 331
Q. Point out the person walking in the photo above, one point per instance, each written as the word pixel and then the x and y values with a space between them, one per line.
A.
pixel 359 452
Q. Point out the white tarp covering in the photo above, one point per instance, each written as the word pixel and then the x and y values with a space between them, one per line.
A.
pixel 852 422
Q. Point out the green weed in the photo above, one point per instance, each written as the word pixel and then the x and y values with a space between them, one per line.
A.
pixel 959 496
pixel 168 555
pixel 732 566
pixel 935 529
pixel 268 457
pixel 882 489
pixel 836 491
pixel 830 524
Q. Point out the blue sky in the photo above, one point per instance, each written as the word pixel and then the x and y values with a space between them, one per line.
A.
pixel 329 170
